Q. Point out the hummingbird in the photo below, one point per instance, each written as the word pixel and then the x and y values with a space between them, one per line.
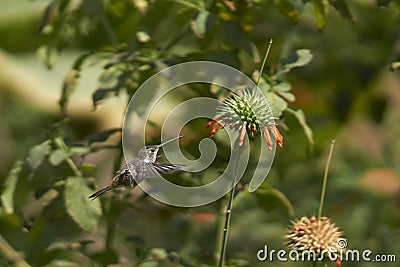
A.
pixel 141 167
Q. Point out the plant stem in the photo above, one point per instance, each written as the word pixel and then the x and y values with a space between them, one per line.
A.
pixel 10 254
pixel 265 59
pixel 69 161
pixel 111 218
pixel 228 212
pixel 321 202
pixel 228 209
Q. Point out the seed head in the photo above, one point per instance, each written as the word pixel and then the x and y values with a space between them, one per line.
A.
pixel 247 111
pixel 314 234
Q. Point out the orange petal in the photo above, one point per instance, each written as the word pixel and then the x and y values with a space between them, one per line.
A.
pixel 211 123
pixel 242 134
pixel 267 138
pixel 277 134
pixel 338 262
pixel 216 129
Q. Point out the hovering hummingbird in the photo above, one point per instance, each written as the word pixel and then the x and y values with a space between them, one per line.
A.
pixel 141 167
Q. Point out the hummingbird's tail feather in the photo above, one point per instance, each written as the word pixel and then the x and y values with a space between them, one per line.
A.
pixel 100 192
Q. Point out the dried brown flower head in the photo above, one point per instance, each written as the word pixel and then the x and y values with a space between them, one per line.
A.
pixel 315 234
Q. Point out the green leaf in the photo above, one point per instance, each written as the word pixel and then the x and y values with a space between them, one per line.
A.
pixel 101 94
pixel 342 8
pixel 202 22
pixel 276 103
pixel 298 59
pixel 58 156
pixel 288 9
pixel 48 54
pixel 282 87
pixel 271 198
pixel 34 207
pixel 37 154
pixel 288 96
pixel 71 81
pixel 143 36
pixel 88 168
pixel 299 114
pixel 83 211
pixel 101 136
pixel 111 81
pixel 394 65
pixel 320 13
pixel 7 197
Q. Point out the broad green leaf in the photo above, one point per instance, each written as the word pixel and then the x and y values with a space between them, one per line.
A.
pixel 202 22
pixel 111 81
pixel 58 156
pixel 88 168
pixel 71 81
pixel 82 210
pixel 37 154
pixel 276 103
pixel 101 94
pixel 102 136
pixel 320 13
pixel 271 198
pixel 288 96
pixel 282 87
pixel 298 59
pixel 34 207
pixel 342 8
pixel 288 9
pixel 299 114
pixel 7 197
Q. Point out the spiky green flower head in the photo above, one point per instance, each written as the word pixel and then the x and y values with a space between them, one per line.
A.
pixel 247 111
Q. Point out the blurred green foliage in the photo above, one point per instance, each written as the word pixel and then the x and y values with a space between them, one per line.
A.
pixel 348 91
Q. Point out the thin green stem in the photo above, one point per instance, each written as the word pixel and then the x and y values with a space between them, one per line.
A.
pixel 228 213
pixel 71 164
pixel 107 27
pixel 11 255
pixel 321 202
pixel 222 242
pixel 263 64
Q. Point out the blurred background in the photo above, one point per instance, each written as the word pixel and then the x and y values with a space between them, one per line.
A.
pixel 68 68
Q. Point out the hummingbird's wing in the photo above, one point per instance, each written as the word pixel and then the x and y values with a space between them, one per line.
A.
pixel 152 170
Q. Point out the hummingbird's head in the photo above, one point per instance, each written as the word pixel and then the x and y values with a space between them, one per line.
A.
pixel 149 153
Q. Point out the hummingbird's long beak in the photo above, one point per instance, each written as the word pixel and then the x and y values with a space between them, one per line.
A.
pixel 160 145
